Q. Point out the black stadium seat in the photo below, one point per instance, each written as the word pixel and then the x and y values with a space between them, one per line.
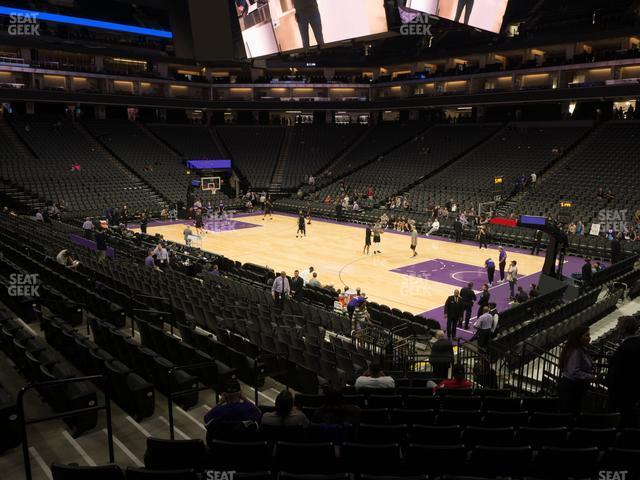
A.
pixel 144 474
pixel 75 472
pixel 174 454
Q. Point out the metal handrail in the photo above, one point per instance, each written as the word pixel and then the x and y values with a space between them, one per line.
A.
pixel 24 422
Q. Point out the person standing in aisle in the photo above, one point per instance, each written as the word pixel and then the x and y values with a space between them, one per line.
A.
pixel 280 289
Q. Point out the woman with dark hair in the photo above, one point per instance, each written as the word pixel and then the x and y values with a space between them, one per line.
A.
pixel 286 413
pixel 576 370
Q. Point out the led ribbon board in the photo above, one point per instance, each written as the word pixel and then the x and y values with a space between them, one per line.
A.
pixel 85 22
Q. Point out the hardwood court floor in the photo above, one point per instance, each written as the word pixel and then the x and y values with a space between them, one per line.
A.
pixel 335 251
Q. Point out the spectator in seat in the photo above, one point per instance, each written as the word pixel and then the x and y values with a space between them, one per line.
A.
pixel 286 413
pixel 214 271
pixel 458 380
pixel 576 369
pixel 534 291
pixel 441 356
pixel 374 377
pixel 335 410
pixel 233 407
pixel 521 295
pixel 65 258
pixel 314 282
pixel 623 378
pixel 187 233
pixel 150 262
pixel 435 226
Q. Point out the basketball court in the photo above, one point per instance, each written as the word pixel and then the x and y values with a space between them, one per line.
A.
pixel 419 285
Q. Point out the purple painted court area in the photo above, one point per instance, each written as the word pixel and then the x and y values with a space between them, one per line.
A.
pixel 445 271
pixel 215 226
pixel 459 274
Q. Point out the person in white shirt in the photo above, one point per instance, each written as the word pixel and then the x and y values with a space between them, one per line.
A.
pixel 162 254
pixel 306 275
pixel 435 226
pixel 39 217
pixel 280 289
pixel 512 278
pixel 374 377
pixel 483 327
pixel 87 227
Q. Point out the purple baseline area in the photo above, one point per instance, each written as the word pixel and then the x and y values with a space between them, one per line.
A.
pixel 218 226
pixel 445 271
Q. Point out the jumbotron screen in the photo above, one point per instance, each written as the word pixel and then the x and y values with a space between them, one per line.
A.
pixel 482 14
pixel 275 26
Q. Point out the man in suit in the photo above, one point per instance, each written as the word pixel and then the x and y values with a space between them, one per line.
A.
pixel 453 309
pixel 297 285
pixel 308 15
pixel 441 356
pixel 616 249
pixel 468 299
pixel 483 301
pixel 623 378
pixel 457 228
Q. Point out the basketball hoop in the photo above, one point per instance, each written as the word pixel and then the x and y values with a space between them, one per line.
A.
pixel 211 184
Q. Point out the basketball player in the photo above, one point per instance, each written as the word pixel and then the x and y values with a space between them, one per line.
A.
pixel 414 240
pixel 199 222
pixel 367 240
pixel 302 228
pixel 377 233
pixel 268 206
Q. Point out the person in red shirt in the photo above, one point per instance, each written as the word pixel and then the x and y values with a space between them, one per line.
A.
pixel 458 380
